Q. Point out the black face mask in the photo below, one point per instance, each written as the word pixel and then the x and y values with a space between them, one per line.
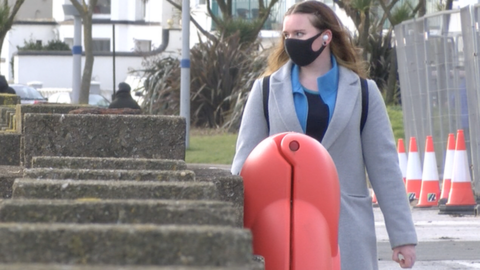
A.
pixel 300 51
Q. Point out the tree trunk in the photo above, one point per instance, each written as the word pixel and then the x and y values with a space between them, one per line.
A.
pixel 7 21
pixel 423 8
pixel 392 78
pixel 86 12
pixel 87 70
pixel 365 34
pixel 449 5
pixel 3 34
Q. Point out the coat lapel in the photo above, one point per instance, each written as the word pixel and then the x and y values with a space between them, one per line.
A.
pixel 283 106
pixel 347 96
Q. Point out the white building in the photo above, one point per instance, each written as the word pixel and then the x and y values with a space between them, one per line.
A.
pixel 138 28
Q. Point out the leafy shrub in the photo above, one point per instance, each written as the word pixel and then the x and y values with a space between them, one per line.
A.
pixel 56 45
pixel 222 74
pixel 162 86
pixel 52 45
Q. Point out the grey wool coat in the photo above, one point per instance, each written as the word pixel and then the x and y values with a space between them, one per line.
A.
pixel 353 152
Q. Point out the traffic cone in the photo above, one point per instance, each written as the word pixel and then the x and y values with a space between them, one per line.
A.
pixel 430 191
pixel 402 159
pixel 374 198
pixel 460 198
pixel 414 172
pixel 447 171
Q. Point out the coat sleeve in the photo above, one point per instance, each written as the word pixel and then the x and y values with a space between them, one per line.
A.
pixel 253 128
pixel 381 161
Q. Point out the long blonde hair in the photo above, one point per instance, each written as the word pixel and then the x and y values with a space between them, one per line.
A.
pixel 341 46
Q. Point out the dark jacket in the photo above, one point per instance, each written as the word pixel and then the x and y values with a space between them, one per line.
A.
pixel 123 99
pixel 4 88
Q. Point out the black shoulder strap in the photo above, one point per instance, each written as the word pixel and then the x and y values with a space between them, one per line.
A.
pixel 364 84
pixel 266 90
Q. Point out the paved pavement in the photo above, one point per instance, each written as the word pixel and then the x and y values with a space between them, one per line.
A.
pixel 445 241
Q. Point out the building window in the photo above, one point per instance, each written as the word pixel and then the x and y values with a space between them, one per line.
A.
pixel 143 45
pixel 101 45
pixel 102 7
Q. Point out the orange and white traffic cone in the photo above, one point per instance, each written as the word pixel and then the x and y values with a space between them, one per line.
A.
pixel 402 159
pixel 460 198
pixel 414 171
pixel 430 191
pixel 447 170
pixel 374 198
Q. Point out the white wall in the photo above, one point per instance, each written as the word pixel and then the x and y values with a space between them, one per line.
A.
pixel 154 11
pixel 125 34
pixel 34 9
pixel 59 72
pixel 17 37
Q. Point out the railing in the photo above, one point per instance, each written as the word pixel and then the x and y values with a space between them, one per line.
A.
pixel 439 79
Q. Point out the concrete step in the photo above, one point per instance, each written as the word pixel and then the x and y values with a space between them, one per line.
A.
pixel 181 212
pixel 110 267
pixel 73 189
pixel 108 163
pixel 86 135
pixel 10 148
pixel 130 244
pixel 87 174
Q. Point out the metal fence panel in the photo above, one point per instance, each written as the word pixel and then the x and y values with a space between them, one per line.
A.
pixel 440 87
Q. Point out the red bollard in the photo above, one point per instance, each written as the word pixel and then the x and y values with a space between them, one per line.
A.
pixel 292 203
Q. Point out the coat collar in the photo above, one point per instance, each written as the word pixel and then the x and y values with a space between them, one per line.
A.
pixel 347 96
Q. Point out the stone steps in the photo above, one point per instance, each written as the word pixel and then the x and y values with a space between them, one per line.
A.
pixel 113 192
pixel 184 212
pixel 73 189
pixel 88 174
pixel 131 244
pixel 108 163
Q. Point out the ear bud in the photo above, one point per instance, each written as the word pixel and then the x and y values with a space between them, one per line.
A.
pixel 325 38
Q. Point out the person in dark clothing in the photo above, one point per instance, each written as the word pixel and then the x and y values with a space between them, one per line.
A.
pixel 4 88
pixel 123 99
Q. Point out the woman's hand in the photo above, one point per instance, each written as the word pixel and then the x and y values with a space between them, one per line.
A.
pixel 405 256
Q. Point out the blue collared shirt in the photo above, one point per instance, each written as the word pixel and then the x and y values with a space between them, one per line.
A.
pixel 327 87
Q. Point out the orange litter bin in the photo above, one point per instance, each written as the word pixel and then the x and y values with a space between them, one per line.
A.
pixel 292 203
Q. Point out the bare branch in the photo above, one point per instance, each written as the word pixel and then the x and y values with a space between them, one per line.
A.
pixel 210 12
pixel 80 7
pixel 206 33
pixel 15 9
pixel 387 11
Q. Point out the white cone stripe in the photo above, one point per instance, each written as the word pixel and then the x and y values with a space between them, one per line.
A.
pixel 402 161
pixel 414 171
pixel 461 172
pixel 430 167
pixel 447 172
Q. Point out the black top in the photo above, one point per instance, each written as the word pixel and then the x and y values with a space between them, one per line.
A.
pixel 318 114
